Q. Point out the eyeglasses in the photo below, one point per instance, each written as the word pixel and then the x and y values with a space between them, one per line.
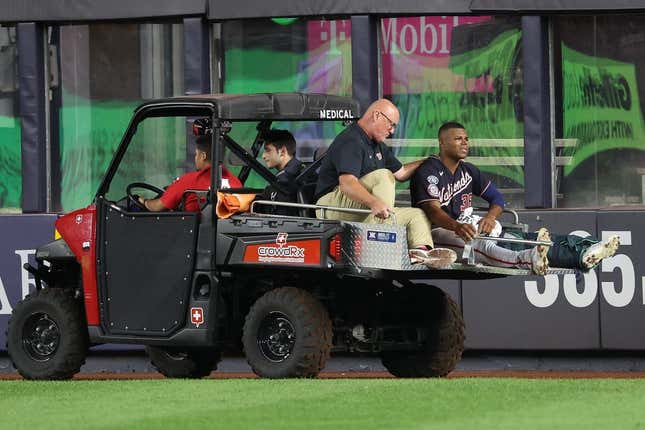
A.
pixel 392 123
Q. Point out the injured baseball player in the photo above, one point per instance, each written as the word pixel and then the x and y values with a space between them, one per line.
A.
pixel 443 187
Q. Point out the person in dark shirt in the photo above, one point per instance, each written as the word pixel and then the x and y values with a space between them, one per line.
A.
pixel 359 171
pixel 280 154
pixel 443 187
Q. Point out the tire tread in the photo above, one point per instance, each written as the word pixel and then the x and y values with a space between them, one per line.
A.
pixel 441 353
pixel 74 337
pixel 316 337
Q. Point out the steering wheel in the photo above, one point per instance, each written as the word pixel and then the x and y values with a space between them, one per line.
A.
pixel 133 199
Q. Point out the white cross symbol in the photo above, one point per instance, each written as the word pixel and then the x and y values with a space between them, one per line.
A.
pixel 197 316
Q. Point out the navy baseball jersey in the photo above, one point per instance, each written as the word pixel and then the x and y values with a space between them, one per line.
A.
pixel 434 181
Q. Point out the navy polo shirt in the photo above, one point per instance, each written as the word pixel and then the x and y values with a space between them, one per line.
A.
pixel 434 181
pixel 287 176
pixel 353 152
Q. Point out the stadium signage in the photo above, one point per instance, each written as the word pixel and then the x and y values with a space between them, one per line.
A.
pixel 26 281
pixel 296 251
pixel 602 109
pixel 427 36
pixel 281 252
pixel 289 252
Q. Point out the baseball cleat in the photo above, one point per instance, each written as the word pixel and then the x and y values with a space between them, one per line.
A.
pixel 417 255
pixel 435 258
pixel 539 260
pixel 596 252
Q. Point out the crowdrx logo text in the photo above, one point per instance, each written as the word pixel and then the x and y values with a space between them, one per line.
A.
pixel 336 114
pixel 280 252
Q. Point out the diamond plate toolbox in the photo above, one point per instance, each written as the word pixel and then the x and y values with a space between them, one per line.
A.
pixel 376 246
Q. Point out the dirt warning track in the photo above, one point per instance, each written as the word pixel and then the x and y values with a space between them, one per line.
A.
pixel 529 374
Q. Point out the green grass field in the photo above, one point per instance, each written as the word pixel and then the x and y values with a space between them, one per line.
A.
pixel 325 404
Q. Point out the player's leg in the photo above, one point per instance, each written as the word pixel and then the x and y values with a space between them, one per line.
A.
pixel 595 253
pixel 565 252
pixel 444 238
pixel 575 252
pixel 486 252
pixel 438 256
pixel 535 258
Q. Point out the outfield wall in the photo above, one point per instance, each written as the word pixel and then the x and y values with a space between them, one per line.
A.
pixel 599 311
pixel 602 310
pixel 20 235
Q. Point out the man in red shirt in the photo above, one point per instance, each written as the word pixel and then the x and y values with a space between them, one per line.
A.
pixel 197 180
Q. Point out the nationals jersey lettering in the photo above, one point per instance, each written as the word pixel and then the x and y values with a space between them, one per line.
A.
pixel 447 191
pixel 434 181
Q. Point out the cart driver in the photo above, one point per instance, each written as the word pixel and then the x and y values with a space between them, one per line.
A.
pixel 200 179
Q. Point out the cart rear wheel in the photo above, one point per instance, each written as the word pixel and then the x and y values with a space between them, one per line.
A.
pixel 287 334
pixel 443 346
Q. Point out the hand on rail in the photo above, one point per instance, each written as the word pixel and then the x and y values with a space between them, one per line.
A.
pixel 381 210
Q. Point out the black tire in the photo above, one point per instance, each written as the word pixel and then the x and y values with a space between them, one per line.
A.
pixel 444 343
pixel 287 334
pixel 47 335
pixel 183 363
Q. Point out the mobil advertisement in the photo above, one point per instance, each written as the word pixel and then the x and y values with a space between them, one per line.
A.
pixel 452 68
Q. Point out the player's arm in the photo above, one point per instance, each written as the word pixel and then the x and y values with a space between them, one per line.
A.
pixel 495 208
pixel 439 218
pixel 352 188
